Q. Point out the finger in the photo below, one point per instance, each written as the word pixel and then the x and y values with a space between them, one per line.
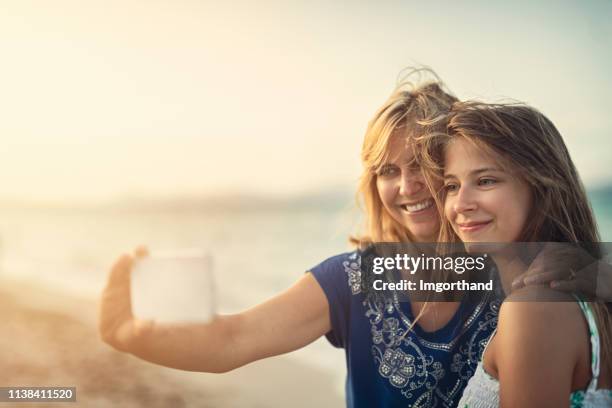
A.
pixel 538 278
pixel 141 251
pixel 548 264
pixel 564 286
pixel 120 271
pixel 115 298
pixel 519 281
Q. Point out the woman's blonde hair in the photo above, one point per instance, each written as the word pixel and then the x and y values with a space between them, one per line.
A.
pixel 530 146
pixel 404 114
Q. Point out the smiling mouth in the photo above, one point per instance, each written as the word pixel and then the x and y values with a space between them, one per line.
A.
pixel 472 226
pixel 418 207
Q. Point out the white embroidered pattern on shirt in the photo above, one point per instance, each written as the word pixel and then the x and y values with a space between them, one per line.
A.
pixel 403 362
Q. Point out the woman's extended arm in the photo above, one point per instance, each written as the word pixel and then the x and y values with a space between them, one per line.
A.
pixel 284 323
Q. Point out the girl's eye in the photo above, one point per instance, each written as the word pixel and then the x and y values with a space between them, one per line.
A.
pixel 486 182
pixel 451 187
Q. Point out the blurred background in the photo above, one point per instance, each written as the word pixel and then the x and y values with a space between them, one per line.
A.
pixel 237 128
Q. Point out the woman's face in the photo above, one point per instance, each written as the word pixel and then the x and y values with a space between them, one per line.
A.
pixel 404 194
pixel 483 203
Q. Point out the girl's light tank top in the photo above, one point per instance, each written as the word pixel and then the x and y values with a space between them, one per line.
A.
pixel 482 391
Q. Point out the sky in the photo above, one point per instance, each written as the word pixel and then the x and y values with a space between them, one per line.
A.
pixel 107 99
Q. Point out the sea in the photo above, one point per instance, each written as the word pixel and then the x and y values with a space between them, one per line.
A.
pixel 256 253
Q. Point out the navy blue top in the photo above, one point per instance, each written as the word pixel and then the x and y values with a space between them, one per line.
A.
pixel 390 365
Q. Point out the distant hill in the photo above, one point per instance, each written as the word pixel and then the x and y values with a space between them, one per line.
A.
pixel 603 193
pixel 331 199
pixel 323 200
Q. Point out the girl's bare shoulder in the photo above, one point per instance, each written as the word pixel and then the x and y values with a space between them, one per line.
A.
pixel 543 315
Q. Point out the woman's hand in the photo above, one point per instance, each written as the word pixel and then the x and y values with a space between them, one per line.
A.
pixel 569 268
pixel 286 322
pixel 116 323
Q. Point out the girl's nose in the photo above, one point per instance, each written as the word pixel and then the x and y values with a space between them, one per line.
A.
pixel 464 201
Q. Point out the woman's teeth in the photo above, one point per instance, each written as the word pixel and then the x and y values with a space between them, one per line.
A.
pixel 418 206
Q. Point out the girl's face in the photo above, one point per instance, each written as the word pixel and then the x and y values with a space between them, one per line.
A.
pixel 483 203
pixel 404 194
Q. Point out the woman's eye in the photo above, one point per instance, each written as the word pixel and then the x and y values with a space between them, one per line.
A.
pixel 486 182
pixel 387 171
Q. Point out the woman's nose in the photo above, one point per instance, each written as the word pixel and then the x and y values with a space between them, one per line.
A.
pixel 411 183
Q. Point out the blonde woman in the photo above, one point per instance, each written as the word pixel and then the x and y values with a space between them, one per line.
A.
pixel 391 361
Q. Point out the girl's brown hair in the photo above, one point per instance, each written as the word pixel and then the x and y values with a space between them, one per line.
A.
pixel 530 146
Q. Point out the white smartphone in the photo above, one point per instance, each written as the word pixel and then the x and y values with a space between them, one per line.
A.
pixel 174 286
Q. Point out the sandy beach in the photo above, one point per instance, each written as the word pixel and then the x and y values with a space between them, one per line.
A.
pixel 49 339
